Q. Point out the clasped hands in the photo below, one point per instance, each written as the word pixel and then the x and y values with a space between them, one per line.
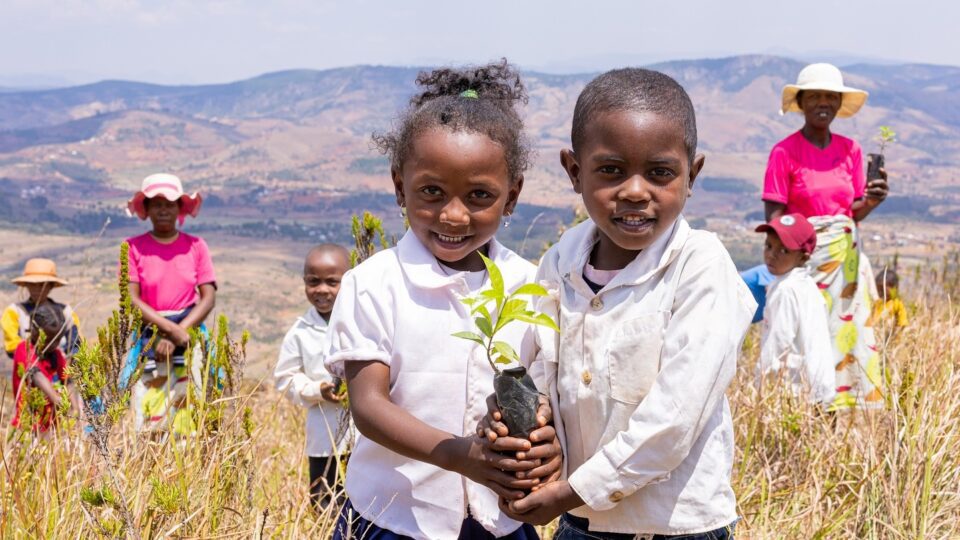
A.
pixel 525 473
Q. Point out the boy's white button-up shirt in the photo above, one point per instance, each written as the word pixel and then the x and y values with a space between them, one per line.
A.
pixel 796 337
pixel 638 375
pixel 400 307
pixel 298 375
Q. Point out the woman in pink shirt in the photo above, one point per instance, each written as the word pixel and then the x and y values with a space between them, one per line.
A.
pixel 173 283
pixel 820 175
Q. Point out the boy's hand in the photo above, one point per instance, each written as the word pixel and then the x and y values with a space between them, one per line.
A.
pixel 544 505
pixel 329 392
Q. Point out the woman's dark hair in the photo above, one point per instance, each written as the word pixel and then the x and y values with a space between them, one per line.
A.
pixel 475 99
pixel 799 98
pixel 146 202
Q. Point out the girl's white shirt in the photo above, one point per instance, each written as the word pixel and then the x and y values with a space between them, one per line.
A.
pixel 400 308
pixel 298 375
pixel 796 338
pixel 638 375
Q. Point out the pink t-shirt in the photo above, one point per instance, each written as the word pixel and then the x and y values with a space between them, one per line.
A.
pixel 169 274
pixel 815 182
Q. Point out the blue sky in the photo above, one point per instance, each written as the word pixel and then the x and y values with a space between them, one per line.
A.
pixel 184 41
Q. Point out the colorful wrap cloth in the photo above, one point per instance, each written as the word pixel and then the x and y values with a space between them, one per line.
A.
pixel 845 278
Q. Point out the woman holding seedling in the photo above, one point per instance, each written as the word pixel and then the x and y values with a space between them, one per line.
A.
pixel 416 392
pixel 819 174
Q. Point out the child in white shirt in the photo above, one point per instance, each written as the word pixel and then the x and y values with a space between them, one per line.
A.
pixel 795 336
pixel 301 376
pixel 418 470
pixel 651 316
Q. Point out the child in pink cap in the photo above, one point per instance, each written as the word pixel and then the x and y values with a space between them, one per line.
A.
pixel 795 343
pixel 172 281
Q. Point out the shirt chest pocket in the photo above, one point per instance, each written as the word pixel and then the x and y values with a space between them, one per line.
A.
pixel 633 356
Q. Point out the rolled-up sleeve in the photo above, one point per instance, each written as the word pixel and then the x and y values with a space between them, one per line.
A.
pixel 711 312
pixel 359 327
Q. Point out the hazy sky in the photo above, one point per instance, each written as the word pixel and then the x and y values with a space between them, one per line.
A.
pixel 192 41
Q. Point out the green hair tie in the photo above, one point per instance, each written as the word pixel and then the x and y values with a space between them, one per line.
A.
pixel 470 94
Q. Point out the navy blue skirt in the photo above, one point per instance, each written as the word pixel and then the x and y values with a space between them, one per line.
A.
pixel 352 526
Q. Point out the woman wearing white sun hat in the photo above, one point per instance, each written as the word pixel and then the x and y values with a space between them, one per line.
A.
pixel 173 283
pixel 821 175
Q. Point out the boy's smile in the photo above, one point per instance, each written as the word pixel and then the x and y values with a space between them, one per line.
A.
pixel 322 274
pixel 456 187
pixel 634 174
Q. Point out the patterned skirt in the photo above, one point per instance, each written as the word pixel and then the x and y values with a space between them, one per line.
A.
pixel 845 279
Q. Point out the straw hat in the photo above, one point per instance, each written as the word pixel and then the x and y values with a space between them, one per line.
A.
pixel 170 188
pixel 823 77
pixel 39 271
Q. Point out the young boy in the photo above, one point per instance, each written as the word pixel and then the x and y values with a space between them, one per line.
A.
pixel 651 315
pixel 44 369
pixel 301 376
pixel 795 333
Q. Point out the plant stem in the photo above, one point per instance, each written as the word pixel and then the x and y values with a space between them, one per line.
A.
pixel 493 364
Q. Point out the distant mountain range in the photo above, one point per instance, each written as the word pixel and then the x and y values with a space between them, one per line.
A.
pixel 285 135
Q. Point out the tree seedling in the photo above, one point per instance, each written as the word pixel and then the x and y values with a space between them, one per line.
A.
pixel 875 161
pixel 517 395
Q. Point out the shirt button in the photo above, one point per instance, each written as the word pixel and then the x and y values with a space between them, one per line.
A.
pixel 586 377
pixel 616 496
pixel 596 303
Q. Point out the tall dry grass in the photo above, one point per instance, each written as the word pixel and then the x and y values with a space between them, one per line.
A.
pixel 798 473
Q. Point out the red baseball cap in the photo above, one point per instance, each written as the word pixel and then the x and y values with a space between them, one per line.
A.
pixel 794 231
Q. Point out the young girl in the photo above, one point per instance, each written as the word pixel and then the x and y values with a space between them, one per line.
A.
pixel 416 392
pixel 651 315
pixel 302 377
pixel 172 282
pixel 45 369
pixel 39 278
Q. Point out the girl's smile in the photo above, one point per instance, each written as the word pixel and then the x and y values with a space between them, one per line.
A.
pixel 456 187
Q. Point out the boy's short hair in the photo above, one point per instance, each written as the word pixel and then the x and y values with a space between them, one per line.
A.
pixel 639 90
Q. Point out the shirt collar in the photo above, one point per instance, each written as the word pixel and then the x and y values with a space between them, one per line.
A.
pixel 422 269
pixel 792 274
pixel 577 244
pixel 312 317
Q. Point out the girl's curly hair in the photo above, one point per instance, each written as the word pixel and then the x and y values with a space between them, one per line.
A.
pixel 476 99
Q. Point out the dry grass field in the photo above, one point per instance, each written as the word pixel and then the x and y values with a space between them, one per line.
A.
pixel 798 474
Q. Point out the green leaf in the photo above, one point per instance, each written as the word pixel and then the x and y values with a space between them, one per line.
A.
pixel 491 294
pixel 506 350
pixel 484 326
pixel 532 289
pixel 539 319
pixel 472 336
pixel 483 311
pixel 469 301
pixel 496 278
pixel 510 311
pixel 502 360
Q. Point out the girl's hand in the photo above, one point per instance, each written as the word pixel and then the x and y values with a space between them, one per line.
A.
pixel 164 349
pixel 543 445
pixel 878 189
pixel 179 335
pixel 329 392
pixel 492 469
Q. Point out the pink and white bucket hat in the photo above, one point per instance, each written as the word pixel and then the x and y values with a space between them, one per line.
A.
pixel 170 188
